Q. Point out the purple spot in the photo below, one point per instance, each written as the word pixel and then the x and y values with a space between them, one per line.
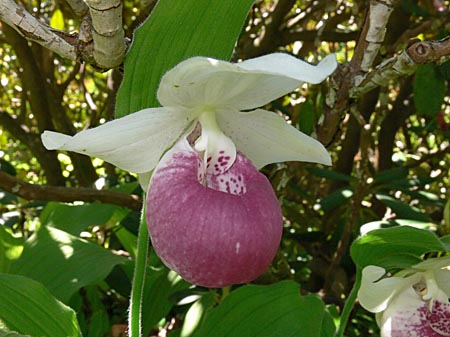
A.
pixel 221 151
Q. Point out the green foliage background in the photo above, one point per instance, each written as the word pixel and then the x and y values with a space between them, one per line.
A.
pixel 76 259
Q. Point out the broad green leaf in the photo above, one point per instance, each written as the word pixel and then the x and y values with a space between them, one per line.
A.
pixel 393 248
pixel 429 90
pixel 277 310
pixel 403 210
pixel 27 307
pixel 196 312
pixel 336 199
pixel 99 324
pixel 127 239
pixel 177 30
pixel 370 226
pixel 160 283
pixel 4 333
pixel 10 248
pixel 393 174
pixel 329 174
pixel 63 263
pixel 74 219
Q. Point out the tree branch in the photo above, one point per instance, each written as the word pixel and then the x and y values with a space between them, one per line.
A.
pixel 404 64
pixel 34 30
pixel 66 194
pixel 108 34
pixel 47 159
pixel 101 41
pixel 79 7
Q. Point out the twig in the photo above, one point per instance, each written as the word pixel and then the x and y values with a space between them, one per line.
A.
pixel 379 14
pixel 404 64
pixel 108 33
pixel 79 7
pixel 66 194
pixel 34 30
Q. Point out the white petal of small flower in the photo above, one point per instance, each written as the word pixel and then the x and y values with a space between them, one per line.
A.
pixel 376 292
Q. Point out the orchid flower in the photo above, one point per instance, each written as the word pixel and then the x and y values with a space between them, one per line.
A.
pixel 413 302
pixel 212 216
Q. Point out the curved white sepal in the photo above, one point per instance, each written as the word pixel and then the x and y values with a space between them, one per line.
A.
pixel 376 292
pixel 201 81
pixel 266 138
pixel 134 143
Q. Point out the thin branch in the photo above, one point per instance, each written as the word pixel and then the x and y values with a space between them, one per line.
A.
pixel 79 7
pixel 379 14
pixel 34 30
pixel 108 33
pixel 404 64
pixel 66 194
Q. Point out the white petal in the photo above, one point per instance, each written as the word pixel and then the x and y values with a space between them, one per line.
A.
pixel 405 316
pixel 376 293
pixel 264 137
pixel 134 143
pixel 201 81
pixel 219 150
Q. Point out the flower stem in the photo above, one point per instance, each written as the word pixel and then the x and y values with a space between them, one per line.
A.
pixel 137 287
pixel 348 307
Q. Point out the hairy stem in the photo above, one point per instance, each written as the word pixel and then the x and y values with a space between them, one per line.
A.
pixel 137 287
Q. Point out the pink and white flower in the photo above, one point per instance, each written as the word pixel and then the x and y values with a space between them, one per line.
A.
pixel 212 216
pixel 413 302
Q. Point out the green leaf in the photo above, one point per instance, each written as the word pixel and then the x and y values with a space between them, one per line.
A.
pixel 393 174
pixel 306 118
pixel 74 219
pixel 392 248
pixel 177 30
pixel 336 199
pixel 277 310
pixel 27 307
pixel 429 90
pixel 4 333
pixel 329 174
pixel 63 263
pixel 57 20
pixel 370 226
pixel 10 248
pixel 196 312
pixel 160 283
pixel 402 209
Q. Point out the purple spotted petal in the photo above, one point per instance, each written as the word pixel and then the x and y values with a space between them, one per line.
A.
pixel 220 231
pixel 439 318
pixel 412 317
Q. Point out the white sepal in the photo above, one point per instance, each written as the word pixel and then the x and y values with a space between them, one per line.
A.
pixel 266 138
pixel 134 143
